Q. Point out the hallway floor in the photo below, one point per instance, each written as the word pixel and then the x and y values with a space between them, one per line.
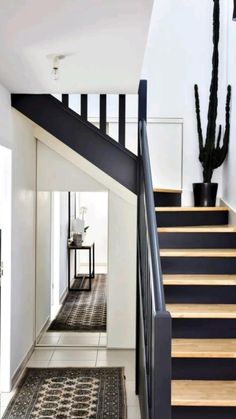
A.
pixel 73 339
pixel 86 357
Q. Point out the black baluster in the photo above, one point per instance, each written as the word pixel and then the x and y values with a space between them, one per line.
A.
pixel 122 108
pixel 65 99
pixel 84 106
pixel 103 113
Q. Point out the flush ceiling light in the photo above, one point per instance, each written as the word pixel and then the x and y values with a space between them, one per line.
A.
pixel 55 73
pixel 234 14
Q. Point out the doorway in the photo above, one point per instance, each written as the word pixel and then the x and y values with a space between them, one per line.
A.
pixel 75 315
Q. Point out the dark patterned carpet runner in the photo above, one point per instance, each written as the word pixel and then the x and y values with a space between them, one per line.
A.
pixel 83 310
pixel 61 393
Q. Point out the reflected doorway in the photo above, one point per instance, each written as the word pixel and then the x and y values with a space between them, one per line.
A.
pixel 74 314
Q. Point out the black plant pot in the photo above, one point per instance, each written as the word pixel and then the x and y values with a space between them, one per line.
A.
pixel 205 194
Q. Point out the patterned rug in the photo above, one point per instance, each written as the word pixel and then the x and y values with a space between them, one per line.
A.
pixel 60 393
pixel 83 310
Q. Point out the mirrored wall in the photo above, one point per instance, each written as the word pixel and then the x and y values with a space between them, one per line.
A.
pixel 71 268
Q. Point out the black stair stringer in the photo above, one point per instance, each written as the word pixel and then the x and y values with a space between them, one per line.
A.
pixel 80 135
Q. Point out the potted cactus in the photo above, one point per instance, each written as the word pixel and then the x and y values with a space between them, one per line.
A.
pixel 212 151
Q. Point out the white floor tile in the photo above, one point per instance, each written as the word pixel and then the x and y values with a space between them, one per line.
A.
pixel 49 340
pixel 103 341
pixel 82 334
pixel 132 399
pixel 134 412
pixel 125 356
pixel 34 363
pixel 72 364
pixel 74 355
pixel 79 340
pixel 41 355
pixel 130 385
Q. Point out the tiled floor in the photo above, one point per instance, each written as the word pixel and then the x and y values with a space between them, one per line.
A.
pixel 57 339
pixel 88 357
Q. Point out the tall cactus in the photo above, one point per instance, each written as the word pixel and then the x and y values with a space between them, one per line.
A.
pixel 213 152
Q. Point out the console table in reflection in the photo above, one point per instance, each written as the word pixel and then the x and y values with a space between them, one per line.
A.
pixel 91 253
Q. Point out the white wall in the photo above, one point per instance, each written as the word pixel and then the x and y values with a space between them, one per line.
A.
pixel 5 225
pixel 51 248
pixel 63 243
pixel 23 238
pixel 179 55
pixel 229 178
pixel 121 273
pixel 17 136
pixel 43 260
pixel 97 220
pixel 52 168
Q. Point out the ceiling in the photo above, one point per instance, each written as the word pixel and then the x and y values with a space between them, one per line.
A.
pixel 103 41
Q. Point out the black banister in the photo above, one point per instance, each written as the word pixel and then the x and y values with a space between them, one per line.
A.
pixel 153 341
pixel 158 294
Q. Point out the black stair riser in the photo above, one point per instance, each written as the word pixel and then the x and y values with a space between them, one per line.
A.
pixel 202 294
pixel 204 328
pixel 179 412
pixel 203 369
pixel 198 265
pixel 165 199
pixel 191 218
pixel 197 240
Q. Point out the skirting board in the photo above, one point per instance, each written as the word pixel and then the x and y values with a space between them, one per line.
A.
pixel 42 331
pixel 232 212
pixel 17 374
pixel 19 371
pixel 63 297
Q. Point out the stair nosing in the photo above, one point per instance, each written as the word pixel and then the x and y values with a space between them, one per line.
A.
pixel 166 190
pixel 186 253
pixel 202 311
pixel 207 388
pixel 191 209
pixel 201 280
pixel 198 229
pixel 203 349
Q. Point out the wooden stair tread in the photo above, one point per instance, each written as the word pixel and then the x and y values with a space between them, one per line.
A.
pixel 198 252
pixel 199 279
pixel 164 190
pixel 198 229
pixel 204 348
pixel 203 311
pixel 190 209
pixel 203 393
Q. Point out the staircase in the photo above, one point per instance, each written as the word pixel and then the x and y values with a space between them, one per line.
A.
pixel 198 258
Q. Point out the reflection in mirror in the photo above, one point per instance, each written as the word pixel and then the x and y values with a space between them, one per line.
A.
pixel 71 268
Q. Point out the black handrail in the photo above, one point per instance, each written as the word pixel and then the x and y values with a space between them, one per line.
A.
pixel 158 289
pixel 153 361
